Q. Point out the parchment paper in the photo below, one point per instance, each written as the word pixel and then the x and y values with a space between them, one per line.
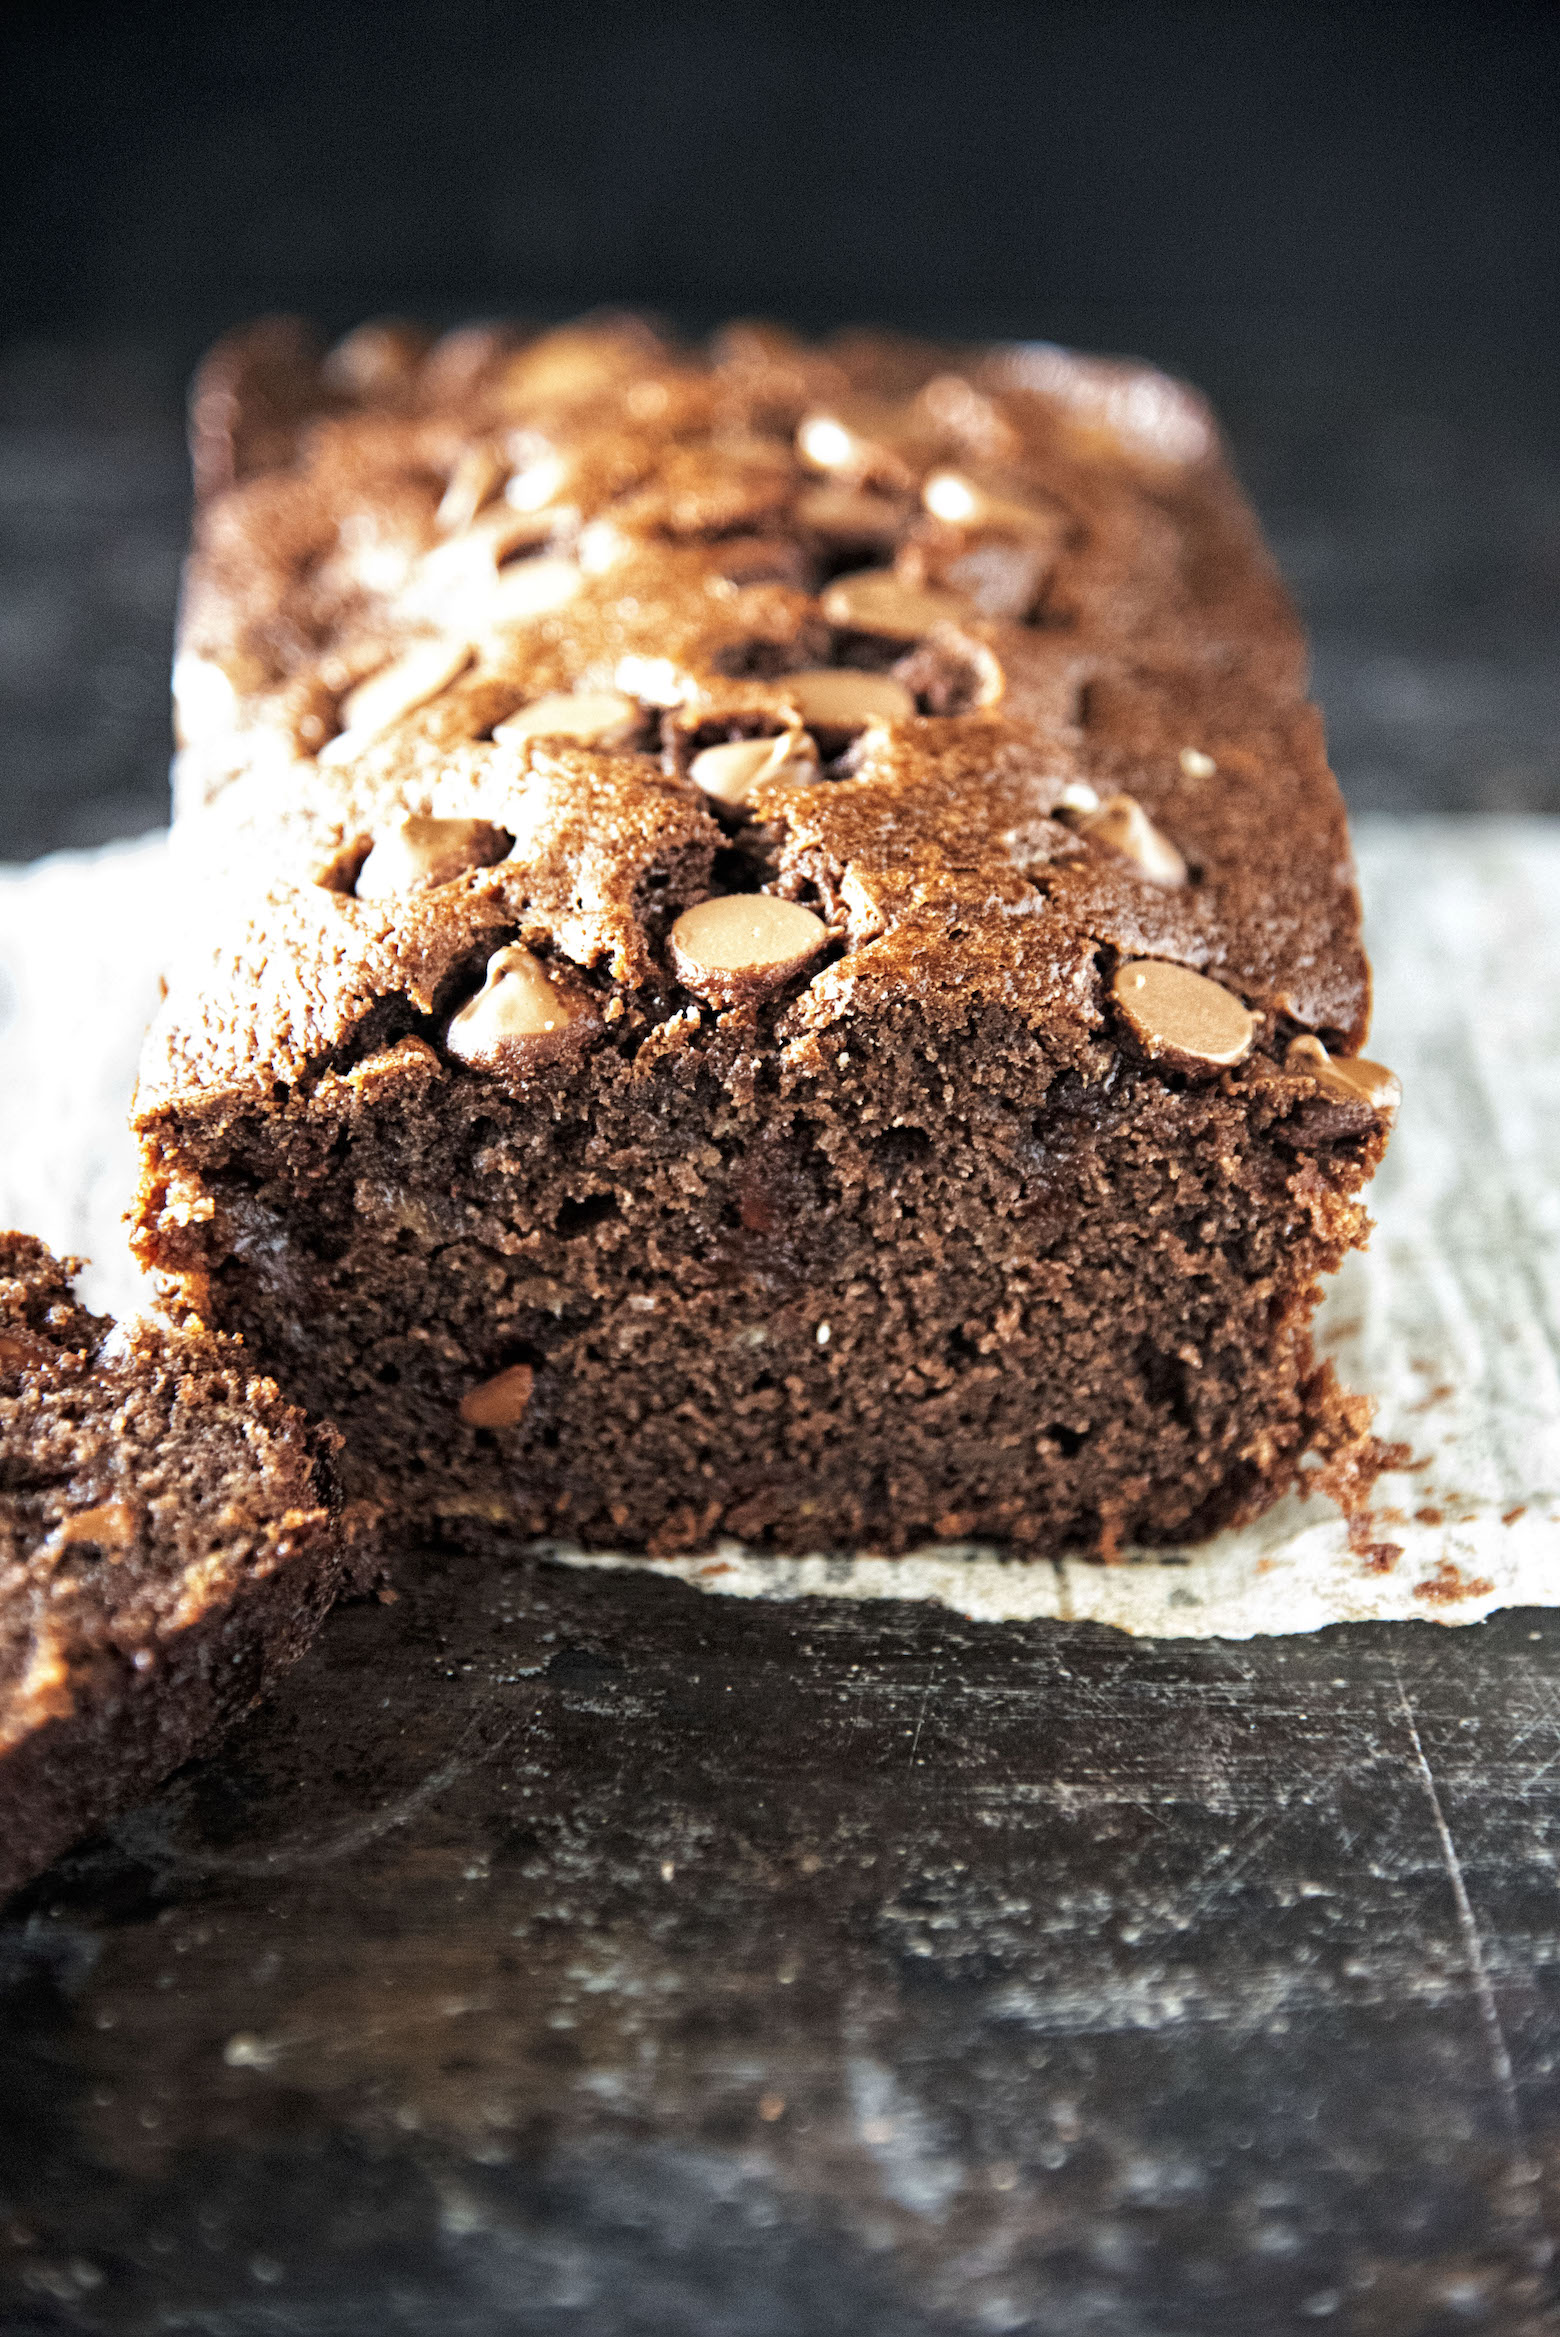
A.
pixel 1451 1320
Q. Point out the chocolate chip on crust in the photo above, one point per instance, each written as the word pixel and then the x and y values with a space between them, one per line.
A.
pixel 877 601
pixel 396 690
pixel 474 478
pixel 421 854
pixel 591 718
pixel 531 588
pixel 1182 1019
pixel 499 1402
pixel 744 945
pixel 950 496
pixel 856 446
pixel 379 359
pixel 1121 826
pixel 1350 1079
pixel 839 697
pixel 730 773
pixel 520 1017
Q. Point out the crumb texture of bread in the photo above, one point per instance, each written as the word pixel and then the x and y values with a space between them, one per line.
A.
pixel 170 1535
pixel 969 1168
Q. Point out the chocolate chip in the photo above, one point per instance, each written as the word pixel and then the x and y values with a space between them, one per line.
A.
pixel 856 446
pixel 744 945
pixel 877 601
pixel 500 1402
pixel 530 588
pixel 459 580
pixel 471 482
pixel 520 1017
pixel 1348 1079
pixel 538 483
pixel 730 773
pixel 112 1526
pixel 397 690
pixel 377 360
pixel 1000 579
pixel 572 364
pixel 591 718
pixel 951 496
pixel 654 681
pixel 1182 1019
pixel 829 444
pixel 838 697
pixel 1121 826
pixel 423 853
pixel 997 552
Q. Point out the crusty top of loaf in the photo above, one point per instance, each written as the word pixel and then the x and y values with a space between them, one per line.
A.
pixel 1084 609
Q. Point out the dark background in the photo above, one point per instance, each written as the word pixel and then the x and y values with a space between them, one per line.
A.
pixel 1344 222
pixel 969 166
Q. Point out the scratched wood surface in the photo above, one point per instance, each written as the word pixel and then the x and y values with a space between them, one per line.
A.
pixel 583 1954
pixel 564 1953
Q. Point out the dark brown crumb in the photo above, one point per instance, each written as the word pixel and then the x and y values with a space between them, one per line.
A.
pixel 1378 1557
pixel 1353 1464
pixel 1447 1585
pixel 170 1535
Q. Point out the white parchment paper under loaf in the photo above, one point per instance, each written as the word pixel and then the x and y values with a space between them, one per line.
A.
pixel 1451 1320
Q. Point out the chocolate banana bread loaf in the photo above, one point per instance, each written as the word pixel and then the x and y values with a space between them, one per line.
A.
pixel 170 1536
pixel 783 955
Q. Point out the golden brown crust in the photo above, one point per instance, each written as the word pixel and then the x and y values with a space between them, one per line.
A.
pixel 1156 659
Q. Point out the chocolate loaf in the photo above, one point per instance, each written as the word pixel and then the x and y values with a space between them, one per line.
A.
pixel 170 1536
pixel 783 958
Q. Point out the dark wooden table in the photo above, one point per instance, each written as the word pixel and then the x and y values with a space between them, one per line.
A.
pixel 564 1952
pixel 573 1953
